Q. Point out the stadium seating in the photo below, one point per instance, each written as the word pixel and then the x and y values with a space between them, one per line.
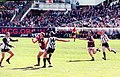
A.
pixel 99 16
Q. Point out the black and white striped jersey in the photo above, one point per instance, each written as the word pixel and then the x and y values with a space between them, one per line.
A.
pixel 51 42
pixel 5 43
pixel 104 38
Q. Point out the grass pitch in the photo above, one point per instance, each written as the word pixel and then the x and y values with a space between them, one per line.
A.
pixel 69 60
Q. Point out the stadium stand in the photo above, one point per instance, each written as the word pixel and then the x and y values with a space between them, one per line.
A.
pixel 99 16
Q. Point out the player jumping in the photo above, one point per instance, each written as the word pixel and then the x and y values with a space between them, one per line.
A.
pixel 51 48
pixel 91 45
pixel 5 47
pixel 104 43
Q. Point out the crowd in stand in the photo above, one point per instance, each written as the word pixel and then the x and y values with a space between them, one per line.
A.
pixel 90 16
pixel 8 9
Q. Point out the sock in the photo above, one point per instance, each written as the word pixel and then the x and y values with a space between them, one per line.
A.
pixel 112 50
pixel 50 56
pixel 48 59
pixel 38 61
pixel 104 54
pixel 44 61
pixel 8 59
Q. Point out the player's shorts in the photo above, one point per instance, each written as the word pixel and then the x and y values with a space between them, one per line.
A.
pixel 42 50
pixel 1 43
pixel 73 34
pixel 91 44
pixel 5 50
pixel 105 44
pixel 50 50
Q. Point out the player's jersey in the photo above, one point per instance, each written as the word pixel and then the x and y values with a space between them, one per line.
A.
pixel 5 43
pixel 41 42
pixel 74 30
pixel 89 38
pixel 51 42
pixel 104 38
pixel 90 42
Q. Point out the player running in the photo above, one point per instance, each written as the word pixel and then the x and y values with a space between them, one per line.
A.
pixel 91 45
pixel 51 42
pixel 104 43
pixel 41 41
pixel 5 47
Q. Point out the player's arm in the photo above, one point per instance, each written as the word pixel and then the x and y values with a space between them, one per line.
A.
pixel 82 38
pixel 62 40
pixel 5 41
pixel 34 40
pixel 13 40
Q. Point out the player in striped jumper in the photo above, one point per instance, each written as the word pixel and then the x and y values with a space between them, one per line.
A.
pixel 50 48
pixel 104 43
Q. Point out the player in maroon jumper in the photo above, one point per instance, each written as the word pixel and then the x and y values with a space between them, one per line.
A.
pixel 41 41
pixel 74 33
pixel 91 45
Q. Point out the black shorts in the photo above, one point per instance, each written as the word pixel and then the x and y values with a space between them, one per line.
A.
pixel 105 44
pixel 5 50
pixel 50 50
pixel 91 44
pixel 73 34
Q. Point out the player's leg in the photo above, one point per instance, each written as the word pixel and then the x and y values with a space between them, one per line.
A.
pixel 38 58
pixel 90 53
pixel 44 59
pixel 11 55
pixel 49 59
pixel 95 50
pixel 74 37
pixel 111 50
pixel 104 54
pixel 3 56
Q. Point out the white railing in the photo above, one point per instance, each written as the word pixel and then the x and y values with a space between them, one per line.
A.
pixel 51 6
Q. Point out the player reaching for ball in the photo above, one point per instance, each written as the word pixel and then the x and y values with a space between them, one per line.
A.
pixel 104 43
pixel 51 42
pixel 5 47
pixel 41 41
pixel 91 45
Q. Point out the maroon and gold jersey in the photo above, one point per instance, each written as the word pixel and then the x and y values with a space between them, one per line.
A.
pixel 90 42
pixel 41 42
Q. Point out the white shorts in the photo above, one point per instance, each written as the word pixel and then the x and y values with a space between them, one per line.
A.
pixel 42 50
pixel 91 47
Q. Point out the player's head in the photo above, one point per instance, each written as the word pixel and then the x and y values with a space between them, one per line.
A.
pixel 89 33
pixel 7 34
pixel 42 34
pixel 52 34
pixel 100 32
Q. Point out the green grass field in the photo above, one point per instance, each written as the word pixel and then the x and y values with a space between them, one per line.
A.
pixel 69 60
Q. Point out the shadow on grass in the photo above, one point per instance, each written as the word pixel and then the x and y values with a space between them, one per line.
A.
pixel 78 60
pixel 27 68
pixel 85 60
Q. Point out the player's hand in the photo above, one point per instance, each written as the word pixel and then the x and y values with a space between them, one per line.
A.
pixel 13 46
